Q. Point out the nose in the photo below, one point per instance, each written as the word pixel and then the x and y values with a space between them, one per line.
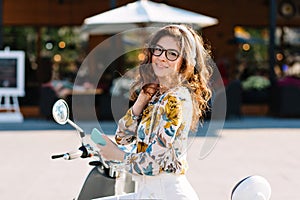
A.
pixel 163 57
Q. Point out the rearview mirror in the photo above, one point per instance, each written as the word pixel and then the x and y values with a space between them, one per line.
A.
pixel 60 111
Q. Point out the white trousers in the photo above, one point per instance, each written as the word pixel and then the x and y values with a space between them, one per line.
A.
pixel 165 187
pixel 161 187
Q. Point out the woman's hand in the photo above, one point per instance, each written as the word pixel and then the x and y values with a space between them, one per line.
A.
pixel 110 150
pixel 150 89
pixel 144 97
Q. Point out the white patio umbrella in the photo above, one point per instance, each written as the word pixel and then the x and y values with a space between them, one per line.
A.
pixel 143 13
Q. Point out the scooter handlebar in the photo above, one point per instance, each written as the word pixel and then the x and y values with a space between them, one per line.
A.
pixel 73 155
pixel 57 156
pixel 69 156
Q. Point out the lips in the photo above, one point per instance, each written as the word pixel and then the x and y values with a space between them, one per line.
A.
pixel 158 65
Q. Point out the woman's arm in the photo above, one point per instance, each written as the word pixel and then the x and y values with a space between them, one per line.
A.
pixel 126 131
pixel 127 125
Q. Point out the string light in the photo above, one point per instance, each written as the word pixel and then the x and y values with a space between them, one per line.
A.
pixel 62 44
pixel 246 47
pixel 57 58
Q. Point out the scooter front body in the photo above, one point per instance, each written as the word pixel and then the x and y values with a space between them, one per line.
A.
pixel 97 184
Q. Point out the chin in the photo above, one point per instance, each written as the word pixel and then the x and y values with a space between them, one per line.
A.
pixel 159 75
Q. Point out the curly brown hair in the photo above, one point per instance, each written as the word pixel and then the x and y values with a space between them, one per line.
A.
pixel 195 72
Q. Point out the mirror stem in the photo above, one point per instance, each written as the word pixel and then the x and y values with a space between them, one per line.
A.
pixel 81 132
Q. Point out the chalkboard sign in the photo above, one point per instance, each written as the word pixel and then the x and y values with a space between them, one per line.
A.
pixel 12 65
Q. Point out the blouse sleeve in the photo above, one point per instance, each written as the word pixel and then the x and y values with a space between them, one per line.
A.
pixel 126 131
pixel 159 154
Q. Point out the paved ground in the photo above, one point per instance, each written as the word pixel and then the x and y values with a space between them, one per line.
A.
pixel 263 146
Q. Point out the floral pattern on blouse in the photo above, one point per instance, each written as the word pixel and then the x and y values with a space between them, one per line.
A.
pixel 160 136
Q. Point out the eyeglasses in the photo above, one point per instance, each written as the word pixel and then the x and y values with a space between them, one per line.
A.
pixel 171 54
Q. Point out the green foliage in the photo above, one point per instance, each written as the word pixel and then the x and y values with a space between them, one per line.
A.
pixel 31 39
pixel 20 38
pixel 256 82
pixel 74 44
pixel 43 42
pixel 258 52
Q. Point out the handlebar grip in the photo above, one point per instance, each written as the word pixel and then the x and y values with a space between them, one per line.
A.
pixel 73 155
pixel 69 156
pixel 57 156
pixel 97 137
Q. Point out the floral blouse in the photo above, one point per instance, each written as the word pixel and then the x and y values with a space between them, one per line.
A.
pixel 160 135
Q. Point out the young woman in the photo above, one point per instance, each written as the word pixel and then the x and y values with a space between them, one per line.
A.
pixel 174 93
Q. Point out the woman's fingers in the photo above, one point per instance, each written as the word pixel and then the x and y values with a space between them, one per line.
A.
pixel 150 89
pixel 110 151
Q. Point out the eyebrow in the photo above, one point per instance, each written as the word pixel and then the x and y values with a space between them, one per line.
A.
pixel 165 48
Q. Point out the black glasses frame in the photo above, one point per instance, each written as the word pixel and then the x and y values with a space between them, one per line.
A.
pixel 168 52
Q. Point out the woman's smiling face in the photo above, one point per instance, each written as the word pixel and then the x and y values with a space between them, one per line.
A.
pixel 162 66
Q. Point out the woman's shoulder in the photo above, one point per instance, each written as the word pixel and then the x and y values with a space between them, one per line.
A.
pixel 180 92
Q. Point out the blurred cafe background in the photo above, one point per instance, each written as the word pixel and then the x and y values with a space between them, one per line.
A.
pixel 255 44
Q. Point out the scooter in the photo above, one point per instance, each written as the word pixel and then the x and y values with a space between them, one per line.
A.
pixel 101 181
